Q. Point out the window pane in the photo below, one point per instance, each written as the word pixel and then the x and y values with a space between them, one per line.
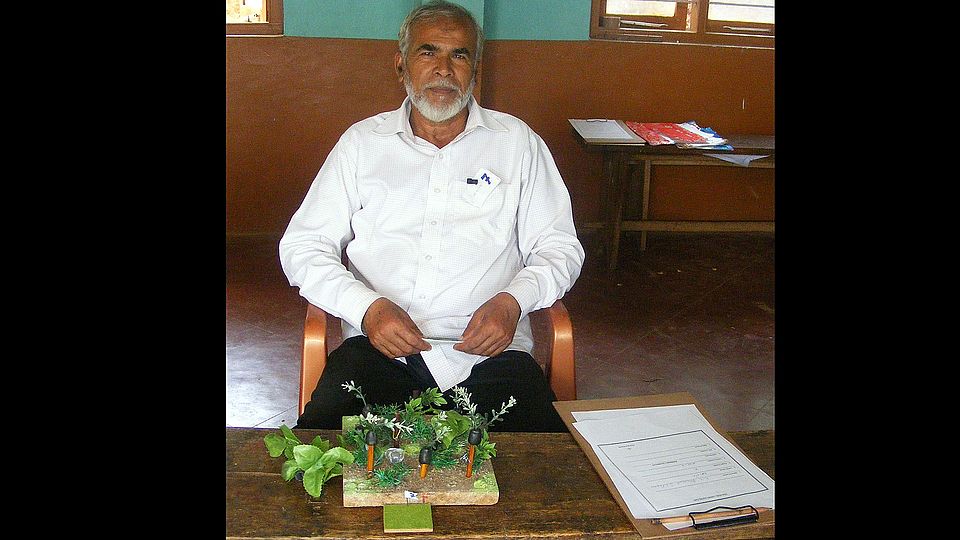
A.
pixel 245 11
pixel 641 7
pixel 734 23
pixel 753 11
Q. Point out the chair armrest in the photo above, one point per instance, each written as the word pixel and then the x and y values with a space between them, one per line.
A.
pixel 321 334
pixel 554 349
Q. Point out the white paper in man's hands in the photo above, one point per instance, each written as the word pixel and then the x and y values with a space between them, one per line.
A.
pixel 448 366
pixel 668 461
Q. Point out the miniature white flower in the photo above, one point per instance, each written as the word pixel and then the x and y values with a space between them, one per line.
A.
pixel 398 425
pixel 373 419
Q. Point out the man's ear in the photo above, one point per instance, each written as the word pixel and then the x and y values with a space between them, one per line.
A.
pixel 398 64
pixel 476 77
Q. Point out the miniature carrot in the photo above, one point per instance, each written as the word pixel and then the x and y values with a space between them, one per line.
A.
pixel 371 442
pixel 426 455
pixel 474 439
pixel 470 463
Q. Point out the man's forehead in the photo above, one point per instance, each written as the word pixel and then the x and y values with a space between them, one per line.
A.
pixel 428 31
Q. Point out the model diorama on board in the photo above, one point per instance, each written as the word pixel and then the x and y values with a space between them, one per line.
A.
pixel 409 453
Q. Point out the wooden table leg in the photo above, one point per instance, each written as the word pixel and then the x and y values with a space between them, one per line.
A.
pixel 606 190
pixel 615 210
pixel 645 201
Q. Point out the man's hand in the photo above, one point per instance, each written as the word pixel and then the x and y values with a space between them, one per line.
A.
pixel 391 331
pixel 492 326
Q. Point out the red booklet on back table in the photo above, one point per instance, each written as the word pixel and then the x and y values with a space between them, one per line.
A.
pixel 663 133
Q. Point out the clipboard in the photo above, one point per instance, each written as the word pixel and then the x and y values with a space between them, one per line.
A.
pixel 763 528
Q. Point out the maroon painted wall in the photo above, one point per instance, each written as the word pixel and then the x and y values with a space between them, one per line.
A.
pixel 288 99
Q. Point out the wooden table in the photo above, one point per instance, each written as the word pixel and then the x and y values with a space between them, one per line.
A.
pixel 623 160
pixel 548 488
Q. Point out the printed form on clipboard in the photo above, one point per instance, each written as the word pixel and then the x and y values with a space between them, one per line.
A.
pixel 668 461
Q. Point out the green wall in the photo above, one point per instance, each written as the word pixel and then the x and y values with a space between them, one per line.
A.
pixel 537 19
pixel 380 19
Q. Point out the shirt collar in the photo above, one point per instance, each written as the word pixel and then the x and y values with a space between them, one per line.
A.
pixel 398 121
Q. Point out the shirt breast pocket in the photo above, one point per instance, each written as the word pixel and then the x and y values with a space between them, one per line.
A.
pixel 486 214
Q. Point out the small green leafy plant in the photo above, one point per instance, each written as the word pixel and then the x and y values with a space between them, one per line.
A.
pixel 317 461
pixel 485 450
pixel 480 421
pixel 393 475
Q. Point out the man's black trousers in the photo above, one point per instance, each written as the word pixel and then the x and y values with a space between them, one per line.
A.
pixel 386 381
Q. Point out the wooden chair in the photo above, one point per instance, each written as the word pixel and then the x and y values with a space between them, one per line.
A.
pixel 552 337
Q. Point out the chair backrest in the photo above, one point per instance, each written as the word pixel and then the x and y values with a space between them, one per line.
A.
pixel 552 339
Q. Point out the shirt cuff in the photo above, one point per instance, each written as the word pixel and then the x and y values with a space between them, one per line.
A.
pixel 526 294
pixel 357 301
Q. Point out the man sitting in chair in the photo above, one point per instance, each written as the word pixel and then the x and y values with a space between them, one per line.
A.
pixel 456 225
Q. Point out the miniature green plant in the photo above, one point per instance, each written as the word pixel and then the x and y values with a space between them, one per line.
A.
pixel 317 460
pixel 395 427
pixel 478 420
pixel 444 458
pixel 383 419
pixel 422 434
pixel 485 450
pixel 424 404
pixel 439 427
pixel 450 427
pixel 392 476
pixel 386 411
pixel 354 439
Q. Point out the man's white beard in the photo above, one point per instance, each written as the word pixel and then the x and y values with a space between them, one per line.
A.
pixel 441 113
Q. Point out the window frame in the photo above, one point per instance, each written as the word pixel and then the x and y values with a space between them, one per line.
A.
pixel 704 32
pixel 273 10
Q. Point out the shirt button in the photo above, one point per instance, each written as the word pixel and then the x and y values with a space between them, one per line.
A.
pixel 440 156
pixel 436 190
pixel 434 222
pixel 428 257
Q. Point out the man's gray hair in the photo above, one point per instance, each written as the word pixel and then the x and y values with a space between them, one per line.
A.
pixel 434 10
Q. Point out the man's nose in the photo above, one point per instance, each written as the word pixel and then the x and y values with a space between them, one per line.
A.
pixel 444 66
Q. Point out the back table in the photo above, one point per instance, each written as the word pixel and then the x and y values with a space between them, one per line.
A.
pixel 625 160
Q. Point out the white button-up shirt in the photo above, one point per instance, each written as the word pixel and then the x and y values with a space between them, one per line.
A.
pixel 438 231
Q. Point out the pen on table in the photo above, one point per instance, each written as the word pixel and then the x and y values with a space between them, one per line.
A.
pixel 711 515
